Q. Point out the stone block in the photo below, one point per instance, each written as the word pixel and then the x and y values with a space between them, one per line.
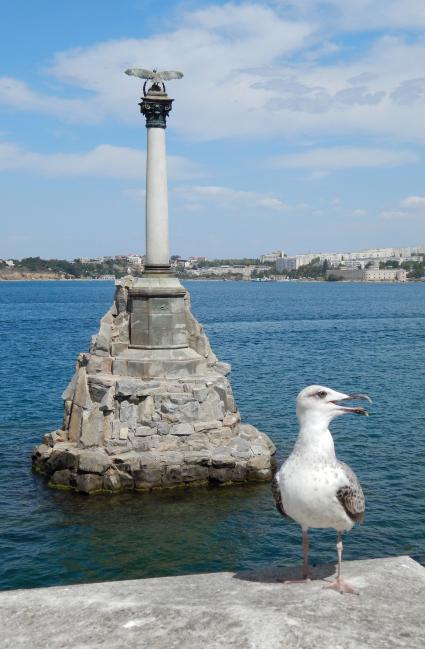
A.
pixel 240 448
pixel 111 481
pixel 95 364
pixel 146 443
pixel 118 348
pixel 239 473
pixel 61 478
pixel 62 459
pixel 163 428
pixel 127 461
pixel 126 480
pixel 56 436
pixel 99 385
pixel 68 393
pixel 121 299
pixel 200 394
pixel 129 387
pixel 94 462
pixel 168 443
pixel 146 408
pixel 197 442
pixel 149 460
pixel 89 483
pixel 202 457
pixel 92 428
pixel 119 366
pixel 75 421
pixel 258 463
pixel 41 453
pixel 220 436
pixel 123 434
pixel 108 401
pixel 223 368
pixel 82 395
pixel 189 412
pixel 230 420
pixel 221 458
pixel 67 407
pixel 200 426
pixel 128 413
pixel 221 475
pixel 182 429
pixel 147 477
pixel 143 431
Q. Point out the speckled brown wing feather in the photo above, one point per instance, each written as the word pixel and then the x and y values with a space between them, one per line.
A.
pixel 351 496
pixel 278 497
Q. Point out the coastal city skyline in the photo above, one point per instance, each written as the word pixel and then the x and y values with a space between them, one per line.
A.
pixel 297 122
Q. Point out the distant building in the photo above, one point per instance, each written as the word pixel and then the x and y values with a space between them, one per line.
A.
pixel 286 264
pixel 385 275
pixel 271 257
pixel 135 260
pixel 369 274
pixel 9 262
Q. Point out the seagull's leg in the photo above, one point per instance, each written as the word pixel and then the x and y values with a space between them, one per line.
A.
pixel 306 571
pixel 339 584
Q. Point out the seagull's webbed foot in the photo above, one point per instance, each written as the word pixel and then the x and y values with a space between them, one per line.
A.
pixel 341 586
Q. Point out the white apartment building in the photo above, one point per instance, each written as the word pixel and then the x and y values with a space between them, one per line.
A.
pixel 135 260
pixel 271 257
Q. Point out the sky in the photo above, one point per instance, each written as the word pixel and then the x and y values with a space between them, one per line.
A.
pixel 299 125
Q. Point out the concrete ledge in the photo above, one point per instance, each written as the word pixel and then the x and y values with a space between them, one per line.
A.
pixel 247 610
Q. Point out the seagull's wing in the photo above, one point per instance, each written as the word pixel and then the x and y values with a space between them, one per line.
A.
pixel 277 495
pixel 169 74
pixel 351 495
pixel 141 73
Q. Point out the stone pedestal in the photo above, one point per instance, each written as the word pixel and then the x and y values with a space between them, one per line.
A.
pixel 150 406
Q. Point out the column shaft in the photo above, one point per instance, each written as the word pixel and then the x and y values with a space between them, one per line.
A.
pixel 157 248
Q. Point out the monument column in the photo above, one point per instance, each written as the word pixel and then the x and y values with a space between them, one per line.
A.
pixel 156 106
pixel 150 406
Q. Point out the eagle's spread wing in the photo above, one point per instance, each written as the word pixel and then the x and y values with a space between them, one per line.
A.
pixel 141 73
pixel 167 75
pixel 351 496
pixel 278 496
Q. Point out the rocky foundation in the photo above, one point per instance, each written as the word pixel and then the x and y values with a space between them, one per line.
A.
pixel 148 417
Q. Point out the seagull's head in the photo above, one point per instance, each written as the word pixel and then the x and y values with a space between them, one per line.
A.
pixel 317 402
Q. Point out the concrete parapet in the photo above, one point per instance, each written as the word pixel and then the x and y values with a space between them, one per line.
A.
pixel 246 610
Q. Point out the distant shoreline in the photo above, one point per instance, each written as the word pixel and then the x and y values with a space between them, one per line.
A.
pixel 304 280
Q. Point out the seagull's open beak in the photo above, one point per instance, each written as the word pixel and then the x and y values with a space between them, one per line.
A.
pixel 358 410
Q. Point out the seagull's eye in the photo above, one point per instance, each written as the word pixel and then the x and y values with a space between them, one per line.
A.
pixel 322 394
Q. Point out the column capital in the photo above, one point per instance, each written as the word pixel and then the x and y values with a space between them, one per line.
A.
pixel 156 106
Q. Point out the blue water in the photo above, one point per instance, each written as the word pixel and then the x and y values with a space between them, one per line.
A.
pixel 279 337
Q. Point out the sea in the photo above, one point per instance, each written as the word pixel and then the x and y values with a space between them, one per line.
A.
pixel 279 337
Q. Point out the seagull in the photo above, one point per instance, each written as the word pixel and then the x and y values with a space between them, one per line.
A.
pixel 313 487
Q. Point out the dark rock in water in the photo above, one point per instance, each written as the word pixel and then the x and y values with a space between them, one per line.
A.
pixel 140 416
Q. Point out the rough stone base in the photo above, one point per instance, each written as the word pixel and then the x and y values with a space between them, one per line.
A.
pixel 146 419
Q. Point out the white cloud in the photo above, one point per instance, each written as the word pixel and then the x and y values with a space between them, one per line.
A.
pixel 360 212
pixel 353 15
pixel 255 71
pixel 393 215
pixel 415 202
pixel 104 161
pixel 230 198
pixel 345 157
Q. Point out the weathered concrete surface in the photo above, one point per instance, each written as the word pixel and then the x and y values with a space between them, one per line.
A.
pixel 251 610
